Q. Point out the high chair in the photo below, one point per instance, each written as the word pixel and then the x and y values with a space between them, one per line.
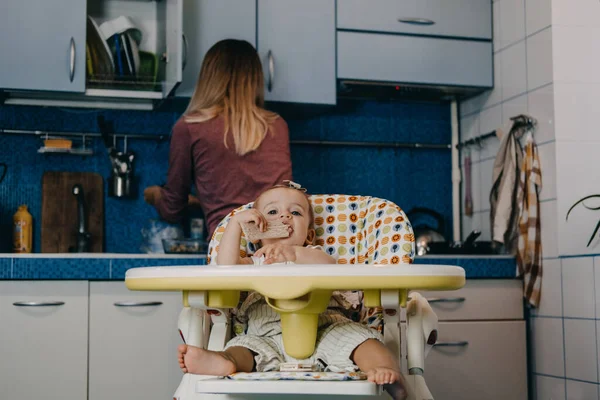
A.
pixel 374 244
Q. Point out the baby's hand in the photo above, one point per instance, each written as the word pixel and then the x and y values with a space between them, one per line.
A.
pixel 276 253
pixel 251 215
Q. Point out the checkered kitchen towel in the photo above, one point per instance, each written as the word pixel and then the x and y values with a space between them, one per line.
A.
pixel 529 253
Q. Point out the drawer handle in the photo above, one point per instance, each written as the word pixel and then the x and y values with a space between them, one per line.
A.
pixel 416 21
pixel 38 303
pixel 271 61
pixel 446 300
pixel 185 51
pixel 462 343
pixel 72 60
pixel 137 304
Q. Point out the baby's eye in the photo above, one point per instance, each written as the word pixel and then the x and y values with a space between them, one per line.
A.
pixel 296 213
pixel 272 212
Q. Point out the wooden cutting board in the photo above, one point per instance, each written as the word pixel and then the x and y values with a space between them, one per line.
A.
pixel 59 210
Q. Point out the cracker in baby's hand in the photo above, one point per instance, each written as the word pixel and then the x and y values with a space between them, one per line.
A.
pixel 274 230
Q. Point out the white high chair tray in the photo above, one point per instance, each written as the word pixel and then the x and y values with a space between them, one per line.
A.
pixel 274 280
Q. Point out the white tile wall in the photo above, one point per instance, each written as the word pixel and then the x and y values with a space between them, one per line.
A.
pixel 576 111
pixel 576 54
pixel 547 345
pixel 486 232
pixel 496 22
pixel 541 106
pixel 539 59
pixel 550 304
pixel 581 359
pixel 581 390
pixel 596 262
pixel 469 127
pixel 512 22
pixel 549 388
pixel 579 13
pixel 514 72
pixel 486 171
pixel 549 225
pixel 490 120
pixel 510 108
pixel 538 15
pixel 494 96
pixel 578 287
pixel 576 177
pixel 547 63
pixel 547 154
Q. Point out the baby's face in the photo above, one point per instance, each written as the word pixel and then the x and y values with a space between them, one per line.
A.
pixel 289 206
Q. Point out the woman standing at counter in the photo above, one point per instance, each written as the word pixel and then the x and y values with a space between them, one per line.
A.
pixel 226 143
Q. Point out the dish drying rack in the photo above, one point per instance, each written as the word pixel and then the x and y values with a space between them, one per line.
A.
pixel 81 143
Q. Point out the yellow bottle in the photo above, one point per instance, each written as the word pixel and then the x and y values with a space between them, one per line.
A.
pixel 22 230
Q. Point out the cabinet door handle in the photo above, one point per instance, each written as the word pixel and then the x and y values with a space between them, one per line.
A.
pixel 271 62
pixel 185 51
pixel 137 304
pixel 461 343
pixel 72 61
pixel 416 21
pixel 446 300
pixel 38 303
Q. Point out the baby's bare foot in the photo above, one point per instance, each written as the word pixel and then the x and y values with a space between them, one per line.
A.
pixel 195 360
pixel 391 379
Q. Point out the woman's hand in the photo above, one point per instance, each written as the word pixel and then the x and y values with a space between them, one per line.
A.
pixel 193 201
pixel 152 195
pixel 277 253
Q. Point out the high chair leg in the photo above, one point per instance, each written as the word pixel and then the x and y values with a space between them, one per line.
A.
pixel 421 335
pixel 194 326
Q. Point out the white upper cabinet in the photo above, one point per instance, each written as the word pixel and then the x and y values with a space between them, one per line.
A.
pixel 205 22
pixel 296 43
pixel 457 18
pixel 43 46
pixel 66 47
pixel 295 40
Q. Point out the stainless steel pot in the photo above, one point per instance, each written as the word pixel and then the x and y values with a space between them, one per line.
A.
pixel 426 234
pixel 121 181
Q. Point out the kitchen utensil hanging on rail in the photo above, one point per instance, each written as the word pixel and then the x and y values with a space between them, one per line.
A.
pixel 4 168
pixel 122 181
pixel 468 194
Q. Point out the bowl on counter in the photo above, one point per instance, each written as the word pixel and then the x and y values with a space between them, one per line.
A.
pixel 184 246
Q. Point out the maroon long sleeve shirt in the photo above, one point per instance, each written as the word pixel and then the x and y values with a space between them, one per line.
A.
pixel 223 179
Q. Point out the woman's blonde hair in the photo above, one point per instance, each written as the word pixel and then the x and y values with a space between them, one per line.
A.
pixel 231 83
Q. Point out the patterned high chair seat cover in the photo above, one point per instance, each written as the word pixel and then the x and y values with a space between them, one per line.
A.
pixel 353 229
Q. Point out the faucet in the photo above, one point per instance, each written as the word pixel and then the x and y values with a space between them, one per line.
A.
pixel 84 239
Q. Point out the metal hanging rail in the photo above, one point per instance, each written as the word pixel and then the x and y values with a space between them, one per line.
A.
pixel 49 135
pixel 521 120
pixel 373 144
pixel 476 140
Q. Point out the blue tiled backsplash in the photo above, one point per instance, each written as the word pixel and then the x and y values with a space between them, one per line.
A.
pixel 406 176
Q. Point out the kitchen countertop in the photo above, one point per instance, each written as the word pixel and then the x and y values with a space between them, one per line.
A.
pixel 112 266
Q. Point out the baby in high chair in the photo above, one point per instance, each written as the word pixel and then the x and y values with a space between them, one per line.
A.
pixel 342 344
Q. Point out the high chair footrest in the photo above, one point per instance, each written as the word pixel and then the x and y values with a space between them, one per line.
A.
pixel 346 388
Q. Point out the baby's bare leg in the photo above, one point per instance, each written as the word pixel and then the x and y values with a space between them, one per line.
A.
pixel 195 360
pixel 381 367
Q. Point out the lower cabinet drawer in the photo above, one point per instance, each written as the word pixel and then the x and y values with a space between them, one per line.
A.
pixel 416 60
pixel 478 360
pixel 484 299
